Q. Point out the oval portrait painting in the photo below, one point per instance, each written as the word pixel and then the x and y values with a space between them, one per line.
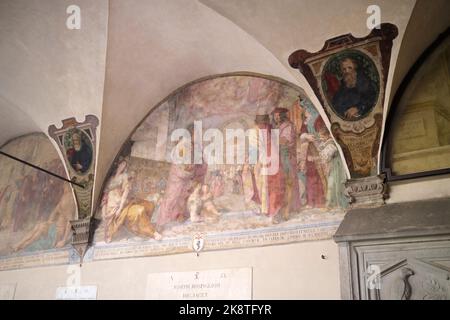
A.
pixel 351 84
pixel 78 149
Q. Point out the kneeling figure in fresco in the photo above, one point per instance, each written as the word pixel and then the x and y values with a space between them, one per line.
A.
pixel 136 215
pixel 201 206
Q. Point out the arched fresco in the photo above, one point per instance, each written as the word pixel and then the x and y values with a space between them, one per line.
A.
pixel 162 192
pixel 35 208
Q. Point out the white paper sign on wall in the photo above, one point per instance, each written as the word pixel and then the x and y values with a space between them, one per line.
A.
pixel 76 293
pixel 220 284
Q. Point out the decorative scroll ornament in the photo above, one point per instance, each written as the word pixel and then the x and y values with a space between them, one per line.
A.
pixel 77 143
pixel 348 75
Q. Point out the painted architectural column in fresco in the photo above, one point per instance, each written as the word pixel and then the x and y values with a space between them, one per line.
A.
pixel 349 77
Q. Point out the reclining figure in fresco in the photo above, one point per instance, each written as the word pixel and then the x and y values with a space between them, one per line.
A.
pixel 136 217
pixel 118 211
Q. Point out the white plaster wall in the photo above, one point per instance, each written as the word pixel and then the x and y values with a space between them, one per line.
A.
pixel 47 72
pixel 419 189
pixel 293 271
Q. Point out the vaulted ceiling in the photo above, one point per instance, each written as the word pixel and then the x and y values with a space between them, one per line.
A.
pixel 130 55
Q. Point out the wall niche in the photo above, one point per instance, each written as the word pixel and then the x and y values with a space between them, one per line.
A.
pixel 418 143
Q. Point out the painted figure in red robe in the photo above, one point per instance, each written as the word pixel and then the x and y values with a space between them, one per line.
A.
pixel 284 197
